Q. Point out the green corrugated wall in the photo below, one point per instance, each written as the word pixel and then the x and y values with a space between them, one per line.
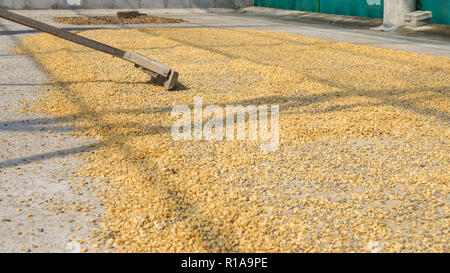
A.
pixel 364 8
pixel 439 8
pixel 304 5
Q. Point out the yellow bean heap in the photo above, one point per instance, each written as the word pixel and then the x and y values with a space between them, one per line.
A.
pixel 363 160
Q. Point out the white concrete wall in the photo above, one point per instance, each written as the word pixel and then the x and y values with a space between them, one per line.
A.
pixel 177 4
pixel 97 4
pixel 122 4
pixel 202 4
pixel 14 4
pixel 70 4
pixel 152 4
pixel 43 4
pixel 126 4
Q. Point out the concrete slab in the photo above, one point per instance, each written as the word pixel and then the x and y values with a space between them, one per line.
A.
pixel 418 15
pixel 13 4
pixel 152 4
pixel 43 4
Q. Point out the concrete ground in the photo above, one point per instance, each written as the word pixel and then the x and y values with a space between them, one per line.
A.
pixel 254 18
pixel 333 21
pixel 41 207
pixel 38 156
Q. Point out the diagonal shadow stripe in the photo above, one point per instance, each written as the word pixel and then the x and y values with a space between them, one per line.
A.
pixel 48 155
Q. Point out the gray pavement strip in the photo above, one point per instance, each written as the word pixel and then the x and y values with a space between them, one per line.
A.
pixel 38 160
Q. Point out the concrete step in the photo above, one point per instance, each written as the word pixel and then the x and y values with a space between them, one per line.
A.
pixel 418 18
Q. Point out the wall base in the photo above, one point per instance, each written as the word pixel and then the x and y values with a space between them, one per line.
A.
pixel 122 4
